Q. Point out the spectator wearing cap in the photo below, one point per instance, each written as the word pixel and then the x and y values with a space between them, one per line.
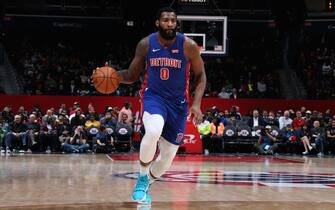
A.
pixel 126 109
pixel 298 121
pixel 266 142
pixel 285 120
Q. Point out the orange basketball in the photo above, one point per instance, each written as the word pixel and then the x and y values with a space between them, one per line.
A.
pixel 105 79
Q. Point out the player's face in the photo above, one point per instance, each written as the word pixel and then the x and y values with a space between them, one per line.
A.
pixel 167 25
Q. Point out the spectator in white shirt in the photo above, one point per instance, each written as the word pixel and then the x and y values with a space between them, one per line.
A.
pixel 285 120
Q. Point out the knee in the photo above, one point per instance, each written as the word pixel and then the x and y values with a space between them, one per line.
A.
pixel 153 132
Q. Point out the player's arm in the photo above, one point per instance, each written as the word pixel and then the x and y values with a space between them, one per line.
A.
pixel 197 65
pixel 130 75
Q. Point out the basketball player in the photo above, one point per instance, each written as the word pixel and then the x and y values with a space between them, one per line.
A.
pixel 168 56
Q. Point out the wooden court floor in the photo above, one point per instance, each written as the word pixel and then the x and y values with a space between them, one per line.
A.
pixel 58 181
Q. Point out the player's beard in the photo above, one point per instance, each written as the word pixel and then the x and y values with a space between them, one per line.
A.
pixel 167 34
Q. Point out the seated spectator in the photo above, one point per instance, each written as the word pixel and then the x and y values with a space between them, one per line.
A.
pixel 234 94
pixel 265 115
pixel 305 136
pixel 123 133
pixel 126 109
pixel 109 121
pixel 204 129
pixel 223 118
pixel 216 141
pixel 92 122
pixel 34 128
pixel 2 136
pixel 92 127
pixel 78 119
pixel 318 136
pixel 91 112
pixel 235 114
pixel 266 142
pixel 74 108
pixel 65 138
pixel 77 142
pixel 23 113
pixel 17 134
pixel 271 120
pixel 256 120
pixel 224 94
pixel 285 120
pixel 7 115
pixel 48 119
pixel 103 141
pixel 298 121
pixel 49 138
pixel 331 136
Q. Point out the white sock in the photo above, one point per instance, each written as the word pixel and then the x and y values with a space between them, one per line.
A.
pixel 153 125
pixel 164 160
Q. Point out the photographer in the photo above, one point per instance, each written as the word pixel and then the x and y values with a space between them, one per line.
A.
pixel 77 142
pixel 266 143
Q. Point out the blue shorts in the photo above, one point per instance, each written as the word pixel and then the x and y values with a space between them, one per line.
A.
pixel 174 113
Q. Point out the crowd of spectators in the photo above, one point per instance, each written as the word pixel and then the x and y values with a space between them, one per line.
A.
pixel 301 131
pixel 248 71
pixel 64 67
pixel 71 130
pixel 66 130
pixel 316 66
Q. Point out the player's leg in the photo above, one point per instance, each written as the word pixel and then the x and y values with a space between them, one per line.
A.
pixel 172 136
pixel 163 162
pixel 153 124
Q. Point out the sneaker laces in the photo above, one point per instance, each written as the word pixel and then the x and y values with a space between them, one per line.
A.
pixel 142 183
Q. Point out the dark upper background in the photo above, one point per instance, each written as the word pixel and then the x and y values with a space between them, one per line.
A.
pixel 43 36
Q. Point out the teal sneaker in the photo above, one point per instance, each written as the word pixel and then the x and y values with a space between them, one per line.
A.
pixel 140 190
pixel 147 200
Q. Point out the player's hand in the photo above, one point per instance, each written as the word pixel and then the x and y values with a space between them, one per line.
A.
pixel 91 77
pixel 197 114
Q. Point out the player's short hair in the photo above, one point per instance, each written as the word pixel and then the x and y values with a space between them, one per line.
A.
pixel 164 9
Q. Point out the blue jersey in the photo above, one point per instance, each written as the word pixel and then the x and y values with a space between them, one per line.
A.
pixel 167 69
pixel 166 86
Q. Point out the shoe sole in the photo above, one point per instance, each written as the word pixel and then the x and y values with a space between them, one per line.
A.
pixel 142 200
